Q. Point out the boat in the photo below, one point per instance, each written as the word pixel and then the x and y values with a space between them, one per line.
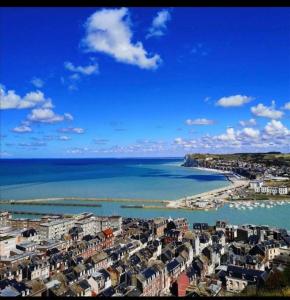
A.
pixel 268 206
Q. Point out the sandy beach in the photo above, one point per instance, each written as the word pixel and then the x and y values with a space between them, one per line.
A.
pixel 220 193
pixel 212 170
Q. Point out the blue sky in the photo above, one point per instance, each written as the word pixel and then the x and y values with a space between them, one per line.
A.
pixel 121 82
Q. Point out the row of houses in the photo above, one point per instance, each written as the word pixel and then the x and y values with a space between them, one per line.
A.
pixel 259 186
pixel 146 257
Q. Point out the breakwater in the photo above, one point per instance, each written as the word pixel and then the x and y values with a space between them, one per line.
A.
pixel 55 204
pixel 33 201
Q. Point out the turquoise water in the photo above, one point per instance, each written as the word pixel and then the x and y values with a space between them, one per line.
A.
pixel 122 178
pixel 103 178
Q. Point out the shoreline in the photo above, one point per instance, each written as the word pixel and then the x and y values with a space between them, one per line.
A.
pixel 188 201
pixel 211 170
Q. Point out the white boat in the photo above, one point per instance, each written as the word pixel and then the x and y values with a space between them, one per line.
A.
pixel 268 206
pixel 231 205
pixel 262 205
pixel 251 207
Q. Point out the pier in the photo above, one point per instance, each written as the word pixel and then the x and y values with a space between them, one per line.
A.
pixel 55 204
pixel 33 201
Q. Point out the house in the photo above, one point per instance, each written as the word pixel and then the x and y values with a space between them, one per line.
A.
pixel 159 225
pixel 30 235
pixel 27 246
pixel 175 267
pixel 255 184
pixel 268 249
pixel 173 235
pixel 7 244
pixel 283 190
pixel 199 227
pixel 109 237
pixel 180 285
pixel 37 269
pixel 102 281
pixel 100 260
pixel 237 278
pixel 149 282
pixel 81 289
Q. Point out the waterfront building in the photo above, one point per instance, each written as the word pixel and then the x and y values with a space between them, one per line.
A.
pixel 55 229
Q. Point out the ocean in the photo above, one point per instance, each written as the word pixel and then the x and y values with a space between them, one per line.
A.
pixel 103 178
pixel 162 179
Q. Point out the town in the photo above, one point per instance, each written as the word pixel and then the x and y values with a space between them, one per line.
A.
pixel 89 255
pixel 252 177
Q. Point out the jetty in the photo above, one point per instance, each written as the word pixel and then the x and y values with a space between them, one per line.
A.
pixel 56 204
pixel 45 200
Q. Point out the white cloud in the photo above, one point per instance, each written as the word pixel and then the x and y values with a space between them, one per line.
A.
pixel 44 115
pixel 250 132
pixel 230 135
pixel 37 82
pixel 159 23
pixel 10 100
pixel 77 130
pixel 75 76
pixel 4 154
pixel 201 121
pixel 32 145
pixel 22 129
pixel 72 87
pixel 108 31
pixel 233 101
pixel 86 70
pixel 267 111
pixel 276 128
pixel 287 106
pixel 78 150
pixel 48 104
pixel 250 122
pixel 68 116
pixel 64 138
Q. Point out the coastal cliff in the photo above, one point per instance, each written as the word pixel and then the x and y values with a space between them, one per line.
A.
pixel 190 161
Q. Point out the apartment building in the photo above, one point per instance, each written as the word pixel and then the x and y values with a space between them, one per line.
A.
pixel 55 229
pixel 7 244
